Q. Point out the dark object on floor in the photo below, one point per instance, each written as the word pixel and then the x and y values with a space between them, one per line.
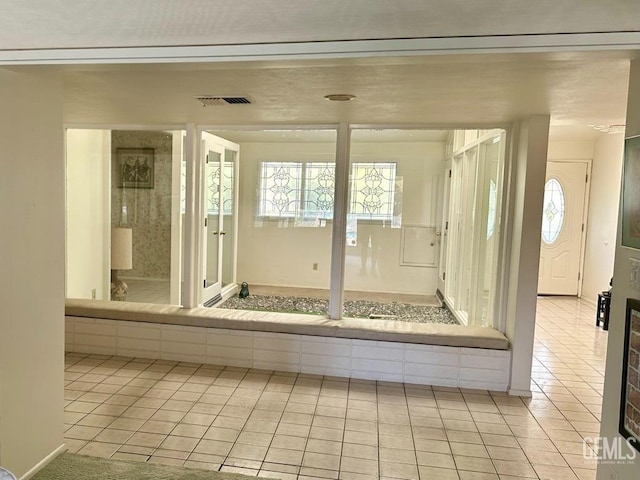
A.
pixel 69 466
pixel 244 290
pixel 603 310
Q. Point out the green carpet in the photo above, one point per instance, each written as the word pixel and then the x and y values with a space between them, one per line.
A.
pixel 69 466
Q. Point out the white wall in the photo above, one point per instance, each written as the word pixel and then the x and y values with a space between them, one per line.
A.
pixel 88 221
pixel 32 293
pixel 602 221
pixel 621 291
pixel 276 253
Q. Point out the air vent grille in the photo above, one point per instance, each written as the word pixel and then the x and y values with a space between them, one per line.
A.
pixel 210 100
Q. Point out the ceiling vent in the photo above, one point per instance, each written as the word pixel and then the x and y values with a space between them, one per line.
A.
pixel 210 100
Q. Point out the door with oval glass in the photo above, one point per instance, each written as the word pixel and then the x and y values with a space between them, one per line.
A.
pixel 562 228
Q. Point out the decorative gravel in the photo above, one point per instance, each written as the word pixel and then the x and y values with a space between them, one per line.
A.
pixel 402 312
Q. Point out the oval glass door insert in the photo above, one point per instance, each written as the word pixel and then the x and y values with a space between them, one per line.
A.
pixel 553 212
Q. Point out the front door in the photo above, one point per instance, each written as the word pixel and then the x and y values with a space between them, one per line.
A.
pixel 562 228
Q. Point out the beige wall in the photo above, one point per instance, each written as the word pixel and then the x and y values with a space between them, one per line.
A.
pixel 275 253
pixel 621 291
pixel 88 225
pixel 603 214
pixel 32 293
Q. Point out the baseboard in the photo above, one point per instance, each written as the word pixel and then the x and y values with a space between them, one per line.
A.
pixel 520 393
pixel 44 462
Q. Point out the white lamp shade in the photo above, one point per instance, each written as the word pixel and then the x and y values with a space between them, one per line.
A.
pixel 121 249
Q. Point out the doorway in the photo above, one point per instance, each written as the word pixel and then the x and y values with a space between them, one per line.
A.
pixel 563 226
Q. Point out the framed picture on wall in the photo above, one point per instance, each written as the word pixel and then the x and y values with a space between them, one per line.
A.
pixel 630 399
pixel 136 167
pixel 631 194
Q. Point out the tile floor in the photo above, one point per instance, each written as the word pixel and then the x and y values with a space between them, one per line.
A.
pixel 290 426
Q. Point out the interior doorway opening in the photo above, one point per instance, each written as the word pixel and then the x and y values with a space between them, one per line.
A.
pixel 422 218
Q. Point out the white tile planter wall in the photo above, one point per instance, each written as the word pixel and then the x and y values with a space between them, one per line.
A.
pixel 367 359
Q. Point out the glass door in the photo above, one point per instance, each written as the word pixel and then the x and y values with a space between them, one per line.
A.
pixel 212 231
pixel 220 159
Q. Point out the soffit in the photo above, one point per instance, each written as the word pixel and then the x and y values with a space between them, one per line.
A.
pixel 43 24
pixel 578 88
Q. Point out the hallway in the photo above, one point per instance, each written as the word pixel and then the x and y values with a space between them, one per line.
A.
pixel 297 426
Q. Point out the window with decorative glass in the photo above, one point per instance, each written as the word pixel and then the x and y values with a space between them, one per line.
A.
pixel 306 189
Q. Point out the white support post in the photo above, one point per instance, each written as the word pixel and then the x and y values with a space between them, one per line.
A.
pixel 340 208
pixel 191 230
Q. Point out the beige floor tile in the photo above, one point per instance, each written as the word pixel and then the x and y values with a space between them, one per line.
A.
pixel 360 451
pixel 99 449
pixel 276 416
pixel 434 473
pixel 474 464
pixel 549 472
pixel 500 440
pixel 248 452
pixel 324 433
pixel 183 444
pixel 80 432
pixel 514 468
pixel 284 456
pixel 329 447
pixel 321 461
pixel 310 473
pixel 223 434
pixel 143 439
pixel 359 465
pixel 293 429
pixel 73 445
pixel 398 470
pixel 188 430
pixel 507 453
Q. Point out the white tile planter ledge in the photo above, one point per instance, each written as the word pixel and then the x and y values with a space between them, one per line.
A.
pixel 433 354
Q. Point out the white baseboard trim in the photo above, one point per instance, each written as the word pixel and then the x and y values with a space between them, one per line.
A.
pixel 44 462
pixel 520 393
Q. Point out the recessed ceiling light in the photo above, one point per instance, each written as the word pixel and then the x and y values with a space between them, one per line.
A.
pixel 340 97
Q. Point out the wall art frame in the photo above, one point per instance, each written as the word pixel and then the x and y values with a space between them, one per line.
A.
pixel 136 167
pixel 631 194
pixel 629 426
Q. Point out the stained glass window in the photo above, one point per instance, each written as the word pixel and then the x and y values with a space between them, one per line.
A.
pixel 280 189
pixel 306 190
pixel 372 190
pixel 491 217
pixel 213 199
pixel 553 211
pixel 320 180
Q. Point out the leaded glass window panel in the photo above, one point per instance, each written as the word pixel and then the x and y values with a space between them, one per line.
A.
pixel 280 189
pixel 372 190
pixel 553 211
pixel 320 180
pixel 491 215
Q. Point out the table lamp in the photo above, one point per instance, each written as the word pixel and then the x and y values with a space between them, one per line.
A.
pixel 121 259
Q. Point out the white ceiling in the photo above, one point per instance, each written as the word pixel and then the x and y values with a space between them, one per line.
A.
pixel 47 24
pixel 575 88
pixel 435 91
